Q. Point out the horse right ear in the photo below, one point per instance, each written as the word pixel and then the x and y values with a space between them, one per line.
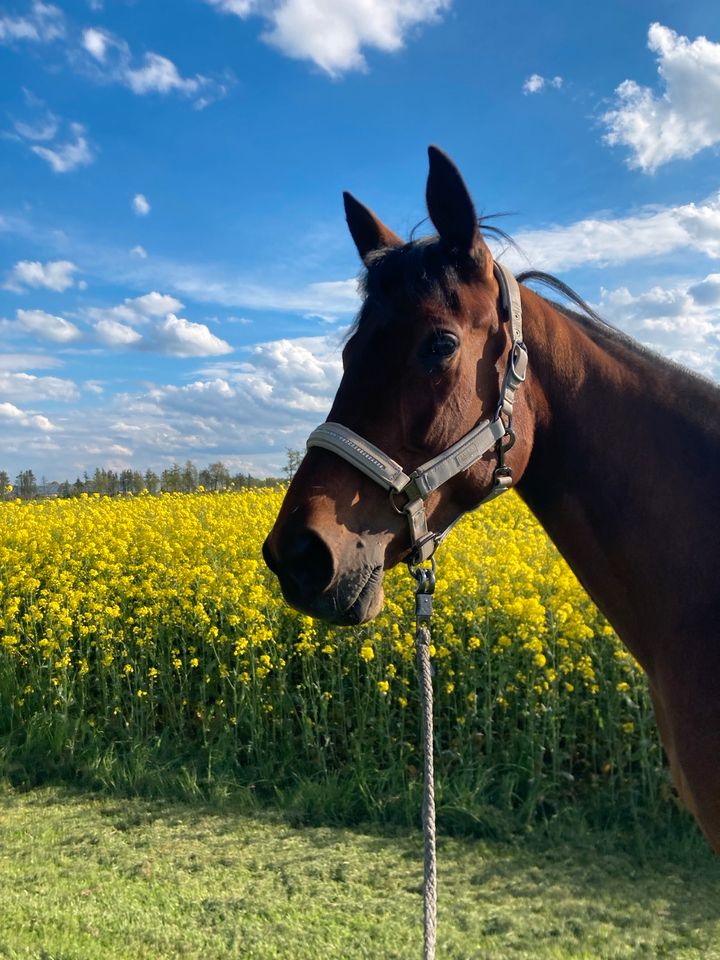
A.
pixel 369 233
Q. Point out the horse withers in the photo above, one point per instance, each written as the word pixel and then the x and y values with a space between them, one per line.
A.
pixel 615 450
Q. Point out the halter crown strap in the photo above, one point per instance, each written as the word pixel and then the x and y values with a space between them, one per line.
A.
pixel 417 486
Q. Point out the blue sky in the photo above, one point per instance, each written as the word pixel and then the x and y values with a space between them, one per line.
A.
pixel 175 270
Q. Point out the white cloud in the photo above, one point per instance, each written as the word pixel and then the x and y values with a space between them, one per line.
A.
pixel 27 361
pixel 684 118
pixel 18 417
pixel 42 129
pixel 598 241
pixel 160 329
pixel 245 412
pixel 43 24
pixel 115 334
pixel 535 83
pixel 111 60
pixel 707 292
pixel 137 310
pixel 64 157
pixel 96 43
pixel 681 321
pixel 53 275
pixel 332 33
pixel 139 252
pixel 182 338
pixel 47 326
pixel 154 304
pixel 332 298
pixel 160 75
pixel 140 205
pixel 27 387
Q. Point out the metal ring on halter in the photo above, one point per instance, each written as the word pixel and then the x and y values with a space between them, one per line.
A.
pixel 395 507
pixel 425 576
pixel 511 442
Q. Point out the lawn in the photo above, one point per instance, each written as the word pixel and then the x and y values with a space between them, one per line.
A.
pixel 84 878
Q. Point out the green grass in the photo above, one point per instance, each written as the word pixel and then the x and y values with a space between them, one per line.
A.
pixel 97 877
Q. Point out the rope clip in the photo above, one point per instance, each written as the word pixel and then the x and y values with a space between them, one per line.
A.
pixel 425 577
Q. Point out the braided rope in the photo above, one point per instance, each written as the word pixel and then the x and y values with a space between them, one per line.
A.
pixel 422 646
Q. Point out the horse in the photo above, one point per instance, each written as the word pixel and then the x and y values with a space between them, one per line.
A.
pixel 615 450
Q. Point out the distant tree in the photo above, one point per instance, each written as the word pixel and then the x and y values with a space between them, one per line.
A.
pixel 137 484
pixel 125 481
pixel 26 485
pixel 152 481
pixel 215 477
pixel 4 484
pixel 171 479
pixel 104 482
pixel 189 477
pixel 64 489
pixel 294 459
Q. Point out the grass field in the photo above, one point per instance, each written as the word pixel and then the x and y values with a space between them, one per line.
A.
pixel 85 878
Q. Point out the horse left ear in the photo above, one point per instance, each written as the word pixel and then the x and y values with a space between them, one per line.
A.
pixel 451 208
pixel 367 230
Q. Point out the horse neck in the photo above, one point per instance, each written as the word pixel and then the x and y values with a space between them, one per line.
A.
pixel 625 455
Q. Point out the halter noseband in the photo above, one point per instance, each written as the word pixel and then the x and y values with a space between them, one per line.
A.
pixel 417 486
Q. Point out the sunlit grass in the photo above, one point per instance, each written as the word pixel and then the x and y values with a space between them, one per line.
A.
pixel 103 879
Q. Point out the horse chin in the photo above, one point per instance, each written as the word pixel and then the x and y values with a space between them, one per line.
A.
pixel 367 605
pixel 353 599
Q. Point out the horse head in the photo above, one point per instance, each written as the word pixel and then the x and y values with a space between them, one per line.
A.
pixel 424 363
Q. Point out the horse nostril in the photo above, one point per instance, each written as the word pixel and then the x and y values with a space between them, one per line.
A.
pixel 308 562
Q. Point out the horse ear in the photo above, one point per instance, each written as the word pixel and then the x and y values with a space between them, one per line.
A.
pixel 450 205
pixel 369 233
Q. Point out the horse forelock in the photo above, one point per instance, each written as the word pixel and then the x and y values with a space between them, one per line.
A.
pixel 399 279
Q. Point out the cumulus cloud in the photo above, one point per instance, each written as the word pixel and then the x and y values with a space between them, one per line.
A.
pixel 182 338
pixel 111 60
pixel 681 320
pixel 137 310
pixel 650 233
pixel 707 291
pixel 140 205
pixel 111 333
pixel 47 326
pixel 28 387
pixel 42 24
pixel 681 120
pixel 333 33
pixel 55 275
pixel 535 83
pixel 150 322
pixel 283 381
pixel 67 156
pixel 17 417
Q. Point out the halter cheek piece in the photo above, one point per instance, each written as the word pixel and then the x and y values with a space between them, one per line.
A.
pixel 371 461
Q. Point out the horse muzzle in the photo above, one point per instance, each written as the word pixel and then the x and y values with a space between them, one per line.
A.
pixel 315 583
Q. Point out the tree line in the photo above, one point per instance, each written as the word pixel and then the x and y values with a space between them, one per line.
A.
pixel 174 479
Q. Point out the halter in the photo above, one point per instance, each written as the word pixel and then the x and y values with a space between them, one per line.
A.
pixel 418 485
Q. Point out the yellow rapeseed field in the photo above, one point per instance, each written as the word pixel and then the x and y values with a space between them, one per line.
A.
pixel 127 621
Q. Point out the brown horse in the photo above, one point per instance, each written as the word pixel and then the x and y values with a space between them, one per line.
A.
pixel 617 453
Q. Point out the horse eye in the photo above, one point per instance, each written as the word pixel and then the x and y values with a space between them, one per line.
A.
pixel 440 346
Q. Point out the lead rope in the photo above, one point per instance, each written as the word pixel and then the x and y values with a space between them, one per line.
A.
pixel 425 577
